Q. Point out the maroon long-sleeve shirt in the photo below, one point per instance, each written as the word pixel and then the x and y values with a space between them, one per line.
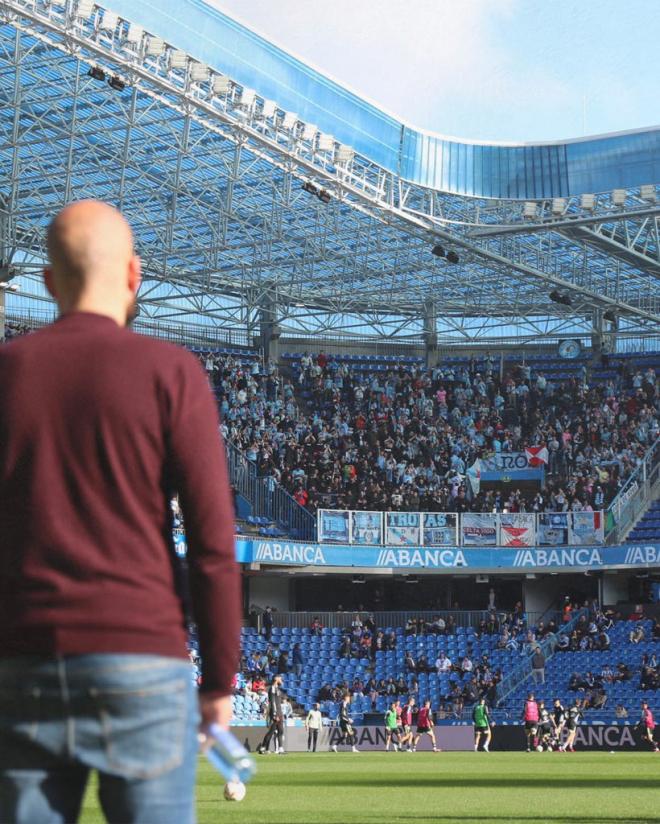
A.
pixel 98 426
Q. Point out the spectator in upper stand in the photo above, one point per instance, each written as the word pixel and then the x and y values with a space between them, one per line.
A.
pixel 345 647
pixel 637 634
pixel 297 660
pixel 437 626
pixel 316 627
pixel 576 682
pixel 398 432
pixel 622 672
pixel 409 662
pixel 411 626
pixel 283 663
pixel 443 663
pixel 607 674
pixel 538 666
pixel 602 642
pixel 621 711
pixel 267 619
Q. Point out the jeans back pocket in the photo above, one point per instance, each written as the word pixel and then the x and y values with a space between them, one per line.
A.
pixel 143 729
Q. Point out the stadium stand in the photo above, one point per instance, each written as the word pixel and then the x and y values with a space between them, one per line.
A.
pixel 609 682
pixel 381 432
pixel 648 528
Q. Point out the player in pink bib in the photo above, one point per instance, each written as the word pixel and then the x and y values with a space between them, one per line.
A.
pixel 531 719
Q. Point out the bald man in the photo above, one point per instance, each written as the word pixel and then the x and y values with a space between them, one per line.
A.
pixel 99 427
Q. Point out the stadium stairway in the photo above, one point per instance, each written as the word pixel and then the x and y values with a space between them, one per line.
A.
pixel 648 527
pixel 559 669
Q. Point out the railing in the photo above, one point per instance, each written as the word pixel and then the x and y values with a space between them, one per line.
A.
pixel 242 472
pixel 388 618
pixel 634 496
pixel 548 646
pixel 267 498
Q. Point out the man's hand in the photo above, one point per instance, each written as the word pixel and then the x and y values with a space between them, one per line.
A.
pixel 215 710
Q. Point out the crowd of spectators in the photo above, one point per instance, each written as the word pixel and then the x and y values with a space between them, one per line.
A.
pixel 403 440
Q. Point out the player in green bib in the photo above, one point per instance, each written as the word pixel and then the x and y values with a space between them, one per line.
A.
pixel 391 728
pixel 481 721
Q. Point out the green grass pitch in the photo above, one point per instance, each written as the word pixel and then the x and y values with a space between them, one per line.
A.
pixel 415 788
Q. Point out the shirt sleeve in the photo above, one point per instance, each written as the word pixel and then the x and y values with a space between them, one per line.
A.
pixel 200 478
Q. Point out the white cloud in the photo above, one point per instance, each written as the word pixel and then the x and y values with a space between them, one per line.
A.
pixel 407 56
pixel 483 69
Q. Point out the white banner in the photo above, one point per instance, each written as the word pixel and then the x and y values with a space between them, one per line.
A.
pixel 517 529
pixel 367 528
pixel 440 529
pixel 479 529
pixel 403 528
pixel 587 529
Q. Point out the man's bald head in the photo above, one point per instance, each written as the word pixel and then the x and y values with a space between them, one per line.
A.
pixel 92 264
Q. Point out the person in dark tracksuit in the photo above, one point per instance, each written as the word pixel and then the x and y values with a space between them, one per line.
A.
pixel 275 719
pixel 346 725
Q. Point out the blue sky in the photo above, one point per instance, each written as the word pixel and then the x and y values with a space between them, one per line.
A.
pixel 481 69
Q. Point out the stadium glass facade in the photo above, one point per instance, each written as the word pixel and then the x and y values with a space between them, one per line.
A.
pixel 524 171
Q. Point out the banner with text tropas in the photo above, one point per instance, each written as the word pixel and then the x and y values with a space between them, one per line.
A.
pixel 451 559
pixel 471 529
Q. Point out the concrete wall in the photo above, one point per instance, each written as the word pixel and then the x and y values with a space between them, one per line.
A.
pixel 270 590
pixel 541 593
pixel 614 588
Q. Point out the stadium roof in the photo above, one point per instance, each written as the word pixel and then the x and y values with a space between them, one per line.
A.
pixel 261 190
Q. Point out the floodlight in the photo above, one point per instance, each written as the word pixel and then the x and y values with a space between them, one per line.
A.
pixel 221 84
pixel 199 71
pixel 609 315
pixel 438 250
pixel 326 143
pixel 648 192
pixel 324 196
pixel 97 73
pixel 9 287
pixel 289 121
pixel 557 297
pixel 529 209
pixel 84 8
pixel 248 97
pixel 588 202
pixel 619 197
pixel 309 131
pixel 178 59
pixel 134 33
pixel 558 205
pixel 116 83
pixel 269 108
pixel 308 186
pixel 344 154
pixel 155 45
pixel 452 257
pixel 109 21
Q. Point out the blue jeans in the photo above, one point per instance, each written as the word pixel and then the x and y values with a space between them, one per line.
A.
pixel 133 718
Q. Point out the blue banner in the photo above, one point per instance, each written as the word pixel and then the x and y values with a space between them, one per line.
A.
pixel 495 559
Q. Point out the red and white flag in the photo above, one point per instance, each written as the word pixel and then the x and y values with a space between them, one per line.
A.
pixel 537 455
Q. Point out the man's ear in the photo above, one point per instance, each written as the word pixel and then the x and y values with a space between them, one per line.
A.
pixel 49 281
pixel 134 274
